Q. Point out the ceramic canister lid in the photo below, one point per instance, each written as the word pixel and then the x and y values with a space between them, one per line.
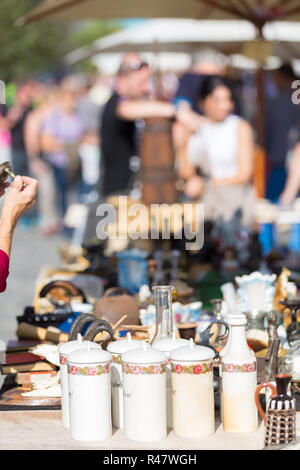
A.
pixel 89 355
pixel 192 353
pixel 168 345
pixel 144 355
pixel 79 343
pixel 123 345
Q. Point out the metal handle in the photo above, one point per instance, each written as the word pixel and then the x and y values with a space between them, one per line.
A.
pixel 79 323
pixel 96 327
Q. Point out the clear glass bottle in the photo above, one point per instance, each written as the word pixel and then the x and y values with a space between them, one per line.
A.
pixel 164 315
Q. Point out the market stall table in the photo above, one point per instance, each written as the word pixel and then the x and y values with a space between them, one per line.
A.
pixel 26 430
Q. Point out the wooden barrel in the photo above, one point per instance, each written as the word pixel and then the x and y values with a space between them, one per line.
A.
pixel 158 174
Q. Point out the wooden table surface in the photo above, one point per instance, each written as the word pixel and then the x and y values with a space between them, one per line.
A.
pixel 27 430
pixel 44 430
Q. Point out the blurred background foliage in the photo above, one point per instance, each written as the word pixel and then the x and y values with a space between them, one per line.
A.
pixel 38 49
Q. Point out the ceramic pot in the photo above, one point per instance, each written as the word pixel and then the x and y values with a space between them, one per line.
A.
pixel 280 417
pixel 90 394
pixel 64 350
pixel 117 348
pixel 144 382
pixel 167 345
pixel 193 391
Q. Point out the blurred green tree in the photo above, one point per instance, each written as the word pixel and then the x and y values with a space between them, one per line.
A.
pixel 39 47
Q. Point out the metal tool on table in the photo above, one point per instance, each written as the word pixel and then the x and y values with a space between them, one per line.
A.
pixel 209 331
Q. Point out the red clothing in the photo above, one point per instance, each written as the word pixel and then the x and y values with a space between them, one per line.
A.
pixel 4 265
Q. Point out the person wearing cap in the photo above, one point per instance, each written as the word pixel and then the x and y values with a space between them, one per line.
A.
pixel 129 102
pixel 20 198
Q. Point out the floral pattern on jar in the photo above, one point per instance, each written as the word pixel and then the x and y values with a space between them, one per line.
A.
pixel 89 370
pixel 196 369
pixel 62 359
pixel 244 368
pixel 117 359
pixel 153 369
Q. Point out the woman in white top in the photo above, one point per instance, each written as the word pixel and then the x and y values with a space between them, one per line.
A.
pixel 218 164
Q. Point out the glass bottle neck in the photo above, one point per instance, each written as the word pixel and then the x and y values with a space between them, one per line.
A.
pixel 164 314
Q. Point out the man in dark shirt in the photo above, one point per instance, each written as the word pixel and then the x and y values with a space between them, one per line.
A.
pixel 118 146
pixel 129 102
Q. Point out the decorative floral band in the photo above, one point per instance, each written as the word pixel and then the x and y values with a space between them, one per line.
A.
pixel 138 370
pixel 89 370
pixel 117 359
pixel 196 369
pixel 62 359
pixel 245 368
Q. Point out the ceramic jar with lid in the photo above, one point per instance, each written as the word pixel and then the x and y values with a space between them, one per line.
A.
pixel 193 391
pixel 90 394
pixel 239 381
pixel 167 345
pixel 64 350
pixel 144 387
pixel 117 348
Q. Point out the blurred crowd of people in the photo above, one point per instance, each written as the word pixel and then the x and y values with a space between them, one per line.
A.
pixel 80 137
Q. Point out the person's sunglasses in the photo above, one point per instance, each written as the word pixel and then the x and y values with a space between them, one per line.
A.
pixel 126 69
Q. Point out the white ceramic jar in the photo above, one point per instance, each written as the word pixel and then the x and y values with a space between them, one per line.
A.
pixel 90 394
pixel 144 386
pixel 167 345
pixel 64 350
pixel 117 348
pixel 239 381
pixel 193 391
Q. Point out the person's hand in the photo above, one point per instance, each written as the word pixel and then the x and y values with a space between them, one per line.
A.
pixel 188 118
pixel 3 188
pixel 20 198
pixel 286 199
pixel 194 187
pixel 37 166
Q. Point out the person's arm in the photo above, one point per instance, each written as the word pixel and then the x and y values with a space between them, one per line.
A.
pixel 181 137
pixel 245 158
pixel 189 119
pixel 19 199
pixel 130 110
pixel 292 184
pixel 49 143
pixel 194 186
